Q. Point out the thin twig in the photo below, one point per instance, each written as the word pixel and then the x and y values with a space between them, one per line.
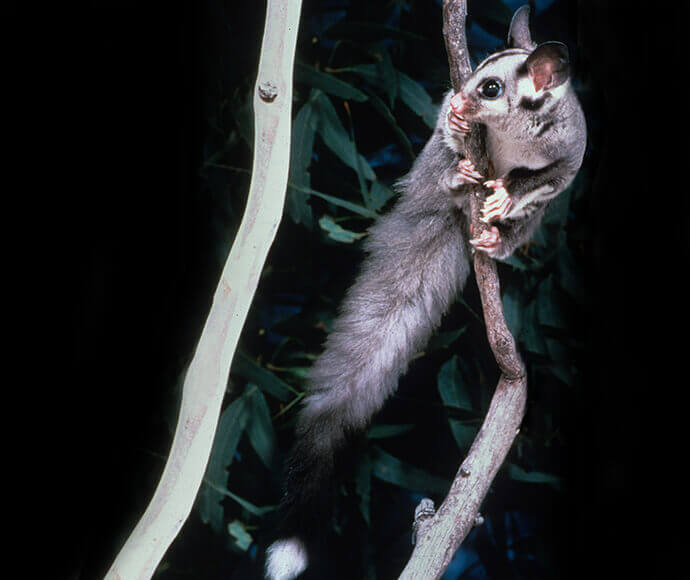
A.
pixel 439 536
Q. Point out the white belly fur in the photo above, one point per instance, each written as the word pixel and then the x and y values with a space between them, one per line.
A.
pixel 507 153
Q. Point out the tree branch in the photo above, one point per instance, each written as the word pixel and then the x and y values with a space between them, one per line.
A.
pixel 207 376
pixel 439 536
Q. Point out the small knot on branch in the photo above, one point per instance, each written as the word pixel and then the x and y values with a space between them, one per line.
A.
pixel 268 91
pixel 422 513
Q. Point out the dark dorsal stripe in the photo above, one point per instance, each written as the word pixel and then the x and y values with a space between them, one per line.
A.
pixel 499 55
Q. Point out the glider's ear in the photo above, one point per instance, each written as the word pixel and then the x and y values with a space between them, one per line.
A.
pixel 548 65
pixel 518 34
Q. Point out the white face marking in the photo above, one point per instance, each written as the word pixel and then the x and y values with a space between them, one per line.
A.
pixel 286 559
pixel 525 88
pixel 501 68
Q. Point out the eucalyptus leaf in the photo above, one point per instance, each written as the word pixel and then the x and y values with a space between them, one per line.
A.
pixel 259 429
pixel 531 334
pixel 387 72
pixel 353 207
pixel 512 309
pixel 415 96
pixel 230 428
pixel 258 511
pixel 243 539
pixel 410 91
pixel 517 473
pixel 452 386
pixel 328 83
pixel 444 339
pixel 249 369
pixel 379 194
pixel 301 149
pixel 337 232
pixel 463 433
pixel 382 109
pixel 550 307
pixel 363 486
pixel 393 470
pixel 337 139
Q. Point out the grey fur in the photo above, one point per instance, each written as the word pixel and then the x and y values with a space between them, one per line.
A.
pixel 519 34
pixel 418 260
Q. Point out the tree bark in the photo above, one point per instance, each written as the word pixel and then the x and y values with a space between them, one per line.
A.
pixel 207 376
pixel 438 536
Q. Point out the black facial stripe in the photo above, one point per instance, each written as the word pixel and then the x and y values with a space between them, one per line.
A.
pixel 498 55
pixel 533 104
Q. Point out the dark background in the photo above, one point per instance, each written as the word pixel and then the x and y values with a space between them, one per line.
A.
pixel 140 242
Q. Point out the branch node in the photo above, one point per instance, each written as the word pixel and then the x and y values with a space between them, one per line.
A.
pixel 268 91
pixel 422 513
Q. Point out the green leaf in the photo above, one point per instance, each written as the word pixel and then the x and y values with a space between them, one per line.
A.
pixel 258 511
pixel 382 109
pixel 337 232
pixel 550 311
pixel 230 428
pixel 445 339
pixel 512 309
pixel 384 431
pixel 363 486
pixel 297 207
pixel 452 387
pixel 260 430
pixel 379 194
pixel 301 148
pixel 531 335
pixel 249 369
pixel 521 262
pixel 337 138
pixel 391 469
pixel 327 83
pixel 411 92
pixel 353 207
pixel 243 539
pixel 387 72
pixel 517 473
pixel 369 72
pixel 463 433
pixel 416 97
pixel 359 168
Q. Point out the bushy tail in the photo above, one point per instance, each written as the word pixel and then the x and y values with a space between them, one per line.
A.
pixel 416 265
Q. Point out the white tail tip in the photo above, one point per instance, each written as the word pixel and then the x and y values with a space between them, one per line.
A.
pixel 285 559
